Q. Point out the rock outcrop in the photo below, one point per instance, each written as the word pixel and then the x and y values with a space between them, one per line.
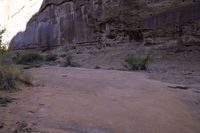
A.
pixel 106 22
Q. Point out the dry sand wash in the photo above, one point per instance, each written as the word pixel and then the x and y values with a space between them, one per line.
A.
pixel 78 100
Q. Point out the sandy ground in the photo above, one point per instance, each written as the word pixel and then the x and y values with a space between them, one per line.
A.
pixel 80 100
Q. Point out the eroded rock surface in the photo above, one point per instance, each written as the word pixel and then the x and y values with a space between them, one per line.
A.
pixel 106 22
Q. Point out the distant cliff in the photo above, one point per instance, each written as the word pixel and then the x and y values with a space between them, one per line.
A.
pixel 64 22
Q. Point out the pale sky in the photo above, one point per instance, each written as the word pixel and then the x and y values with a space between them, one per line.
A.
pixel 15 14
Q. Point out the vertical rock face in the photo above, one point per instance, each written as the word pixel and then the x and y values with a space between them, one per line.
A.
pixel 182 24
pixel 64 22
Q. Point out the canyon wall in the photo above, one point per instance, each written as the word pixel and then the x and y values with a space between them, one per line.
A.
pixel 182 24
pixel 63 22
pixel 107 22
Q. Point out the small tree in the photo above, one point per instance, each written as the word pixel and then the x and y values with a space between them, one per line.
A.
pixel 2 31
pixel 2 47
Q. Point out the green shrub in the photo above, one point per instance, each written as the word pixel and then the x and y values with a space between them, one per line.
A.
pixel 2 46
pixel 68 61
pixel 2 31
pixel 6 58
pixel 29 58
pixel 133 62
pixel 2 49
pixel 137 35
pixel 12 76
pixel 51 57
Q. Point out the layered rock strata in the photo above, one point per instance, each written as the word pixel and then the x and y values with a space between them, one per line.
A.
pixel 107 22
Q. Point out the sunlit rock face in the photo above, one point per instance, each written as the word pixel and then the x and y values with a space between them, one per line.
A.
pixel 15 14
pixel 107 22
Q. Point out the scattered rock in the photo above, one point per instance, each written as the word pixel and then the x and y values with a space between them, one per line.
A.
pixel 5 100
pixel 97 67
pixel 64 76
pixel 111 68
pixel 179 87
pixel 31 66
pixel 1 125
pixel 189 73
pixel 22 127
pixel 196 91
pixel 32 112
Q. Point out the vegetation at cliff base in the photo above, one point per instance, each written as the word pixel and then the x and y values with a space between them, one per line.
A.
pixel 68 62
pixel 135 62
pixel 11 76
pixel 51 57
pixel 29 58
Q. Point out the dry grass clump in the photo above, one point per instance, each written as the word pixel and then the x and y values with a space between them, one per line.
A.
pixel 12 76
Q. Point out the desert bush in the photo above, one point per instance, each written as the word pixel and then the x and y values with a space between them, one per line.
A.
pixel 133 62
pixel 6 58
pixel 136 35
pixel 29 58
pixel 12 76
pixel 2 47
pixel 51 57
pixel 68 61
pixel 2 31
pixel 9 76
pixel 111 36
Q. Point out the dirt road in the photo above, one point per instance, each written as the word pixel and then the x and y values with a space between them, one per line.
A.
pixel 78 100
